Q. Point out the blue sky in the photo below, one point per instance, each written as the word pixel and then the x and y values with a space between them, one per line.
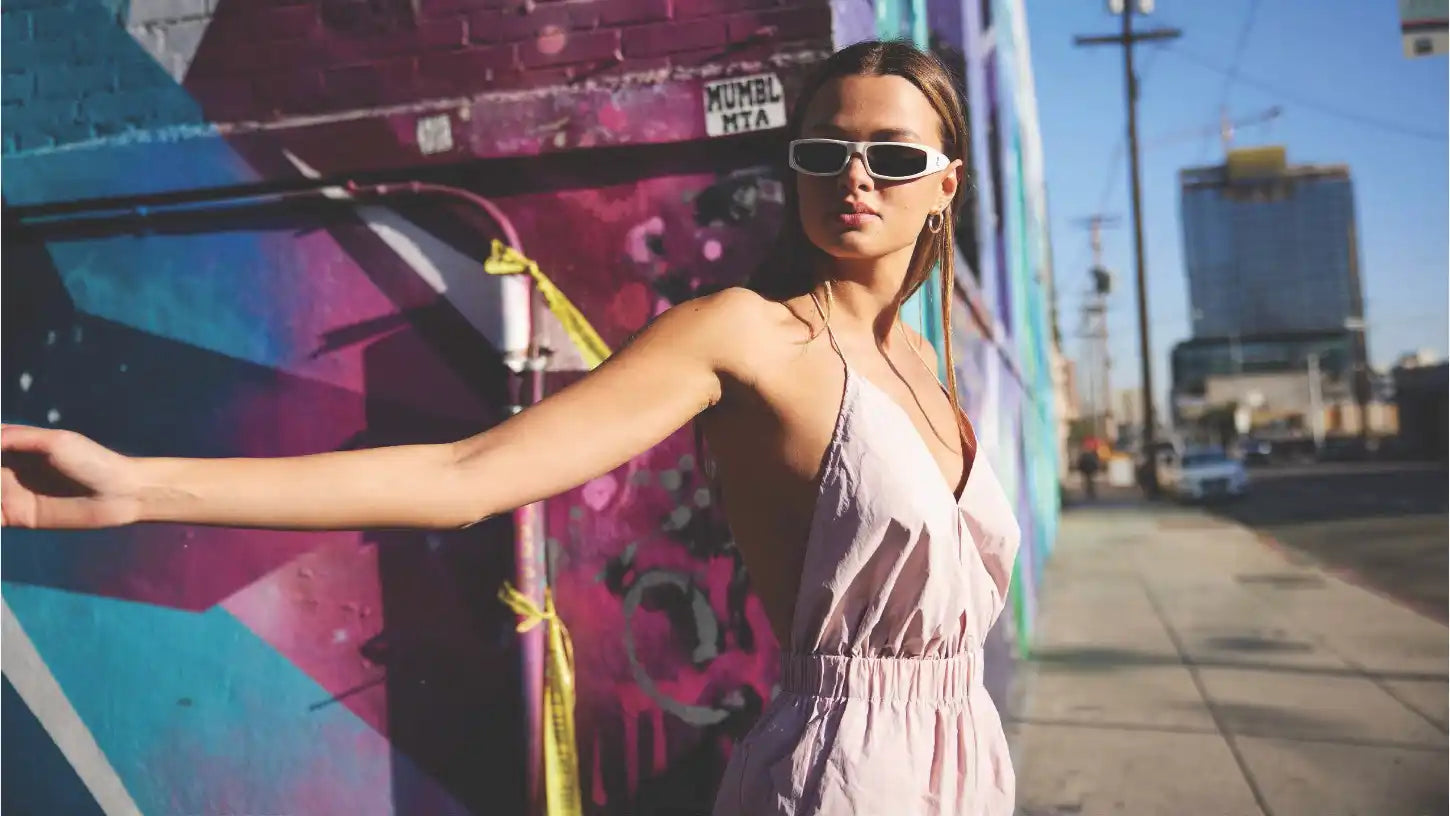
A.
pixel 1349 96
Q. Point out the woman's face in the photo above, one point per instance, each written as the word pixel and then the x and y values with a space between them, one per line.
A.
pixel 852 216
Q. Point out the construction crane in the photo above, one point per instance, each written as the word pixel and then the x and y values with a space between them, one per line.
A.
pixel 1225 128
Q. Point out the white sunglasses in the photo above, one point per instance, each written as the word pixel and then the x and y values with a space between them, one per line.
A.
pixel 888 161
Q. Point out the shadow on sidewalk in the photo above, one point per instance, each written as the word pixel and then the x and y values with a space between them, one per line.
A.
pixel 1074 498
pixel 1095 659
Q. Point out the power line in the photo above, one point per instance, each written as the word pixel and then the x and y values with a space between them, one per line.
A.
pixel 1110 182
pixel 1239 46
pixel 1127 40
pixel 1228 81
pixel 1313 104
pixel 1115 158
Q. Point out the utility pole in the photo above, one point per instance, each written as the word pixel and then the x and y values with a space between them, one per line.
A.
pixel 1361 383
pixel 1316 403
pixel 1126 40
pixel 1098 366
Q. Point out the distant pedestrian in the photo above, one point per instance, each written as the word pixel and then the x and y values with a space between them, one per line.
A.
pixel 1088 464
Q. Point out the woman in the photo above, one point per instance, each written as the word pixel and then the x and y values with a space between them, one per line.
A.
pixel 878 542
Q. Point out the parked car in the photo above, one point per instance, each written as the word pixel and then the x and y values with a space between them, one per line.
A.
pixel 1205 473
pixel 1255 451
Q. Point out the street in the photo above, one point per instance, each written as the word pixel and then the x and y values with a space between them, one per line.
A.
pixel 1382 525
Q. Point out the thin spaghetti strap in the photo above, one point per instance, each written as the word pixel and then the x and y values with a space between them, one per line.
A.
pixel 826 322
pixel 919 358
pixel 965 429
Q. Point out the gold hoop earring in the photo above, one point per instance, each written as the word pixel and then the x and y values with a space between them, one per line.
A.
pixel 934 221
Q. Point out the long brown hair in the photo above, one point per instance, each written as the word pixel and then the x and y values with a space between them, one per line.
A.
pixel 789 269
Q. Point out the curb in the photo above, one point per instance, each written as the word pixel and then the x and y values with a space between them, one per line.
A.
pixel 1345 574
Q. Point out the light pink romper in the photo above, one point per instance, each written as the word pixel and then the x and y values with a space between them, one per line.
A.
pixel 881 710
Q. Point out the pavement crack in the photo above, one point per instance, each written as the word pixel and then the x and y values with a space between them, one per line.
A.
pixel 1188 663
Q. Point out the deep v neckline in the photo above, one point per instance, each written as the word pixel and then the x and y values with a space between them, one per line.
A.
pixel 969 465
pixel 957 492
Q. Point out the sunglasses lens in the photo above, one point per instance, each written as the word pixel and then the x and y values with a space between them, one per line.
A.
pixel 819 157
pixel 896 161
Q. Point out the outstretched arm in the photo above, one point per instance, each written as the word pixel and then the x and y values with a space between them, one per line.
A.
pixel 667 375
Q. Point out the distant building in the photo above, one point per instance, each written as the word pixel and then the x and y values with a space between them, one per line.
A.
pixel 1271 254
pixel 1286 405
pixel 1128 406
pixel 1127 409
pixel 1270 376
pixel 1423 27
pixel 1418 359
pixel 1270 248
pixel 1193 361
pixel 1422 394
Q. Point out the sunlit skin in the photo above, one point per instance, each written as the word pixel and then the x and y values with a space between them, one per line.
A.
pixel 759 375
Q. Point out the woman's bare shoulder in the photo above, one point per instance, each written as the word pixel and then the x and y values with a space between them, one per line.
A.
pixel 744 328
pixel 740 303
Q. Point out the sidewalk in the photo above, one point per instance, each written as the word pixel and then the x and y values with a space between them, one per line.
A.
pixel 1181 666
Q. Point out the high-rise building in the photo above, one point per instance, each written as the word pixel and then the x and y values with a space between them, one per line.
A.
pixel 1272 259
pixel 1270 248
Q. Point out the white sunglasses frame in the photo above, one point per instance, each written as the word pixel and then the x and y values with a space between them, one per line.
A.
pixel 936 161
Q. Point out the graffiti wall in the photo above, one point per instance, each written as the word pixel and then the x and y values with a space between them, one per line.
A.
pixel 1002 326
pixel 244 228
pixel 1004 339
pixel 217 245
pixel 676 658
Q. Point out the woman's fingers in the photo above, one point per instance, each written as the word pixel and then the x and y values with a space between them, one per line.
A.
pixel 25 439
pixel 15 501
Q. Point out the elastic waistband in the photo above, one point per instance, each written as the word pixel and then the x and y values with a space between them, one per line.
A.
pixel 937 679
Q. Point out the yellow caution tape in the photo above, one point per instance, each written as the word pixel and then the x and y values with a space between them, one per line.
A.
pixel 506 260
pixel 561 760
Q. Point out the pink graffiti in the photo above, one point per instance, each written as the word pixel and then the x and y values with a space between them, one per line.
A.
pixel 611 117
pixel 598 492
pixel 551 40
pixel 630 305
pixel 652 488
pixel 694 685
pixel 636 240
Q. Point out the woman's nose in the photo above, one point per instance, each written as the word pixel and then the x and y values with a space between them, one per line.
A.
pixel 855 177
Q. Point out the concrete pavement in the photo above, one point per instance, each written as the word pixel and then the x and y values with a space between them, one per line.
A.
pixel 1381 524
pixel 1181 666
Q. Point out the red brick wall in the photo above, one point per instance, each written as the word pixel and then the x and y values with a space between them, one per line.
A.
pixel 264 59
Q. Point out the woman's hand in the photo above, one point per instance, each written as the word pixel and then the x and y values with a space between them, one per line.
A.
pixel 62 480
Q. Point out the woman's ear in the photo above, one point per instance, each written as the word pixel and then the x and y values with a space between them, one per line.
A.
pixel 951 179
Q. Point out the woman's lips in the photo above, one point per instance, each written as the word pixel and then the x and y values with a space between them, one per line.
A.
pixel 855 219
